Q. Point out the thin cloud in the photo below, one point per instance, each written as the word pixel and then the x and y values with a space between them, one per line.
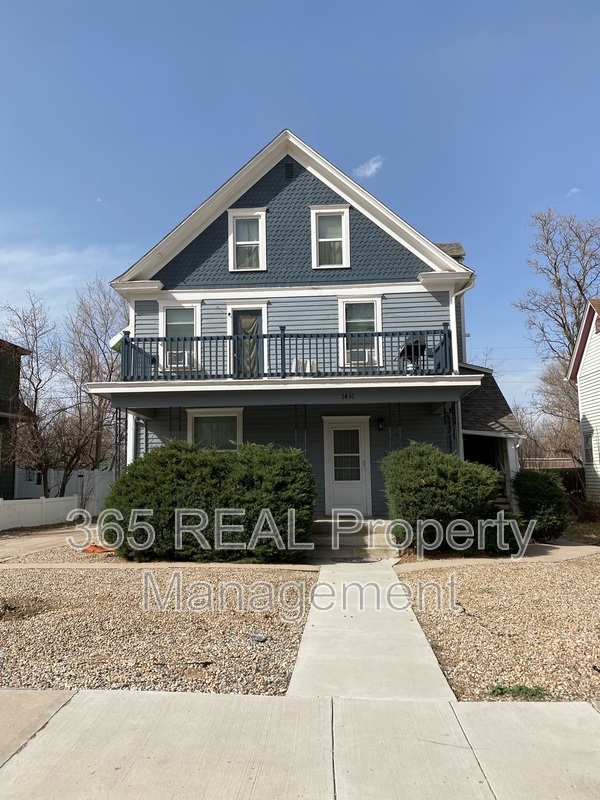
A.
pixel 99 200
pixel 56 271
pixel 573 192
pixel 370 167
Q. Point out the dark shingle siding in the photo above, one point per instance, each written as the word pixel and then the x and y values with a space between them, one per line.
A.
pixel 375 256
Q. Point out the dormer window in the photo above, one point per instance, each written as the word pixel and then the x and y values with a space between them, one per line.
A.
pixel 247 239
pixel 330 237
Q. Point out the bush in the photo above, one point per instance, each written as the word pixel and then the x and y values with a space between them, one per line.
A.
pixel 422 482
pixel 542 497
pixel 587 511
pixel 181 475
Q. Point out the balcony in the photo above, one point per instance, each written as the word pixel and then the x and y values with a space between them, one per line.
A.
pixel 286 355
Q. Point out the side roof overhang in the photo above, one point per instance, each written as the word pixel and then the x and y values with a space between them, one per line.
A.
pixel 592 311
pixel 139 277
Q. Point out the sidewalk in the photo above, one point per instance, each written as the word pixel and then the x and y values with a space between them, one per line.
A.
pixel 163 746
pixel 368 716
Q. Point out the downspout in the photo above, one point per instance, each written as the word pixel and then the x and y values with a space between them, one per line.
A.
pixel 453 320
pixel 460 446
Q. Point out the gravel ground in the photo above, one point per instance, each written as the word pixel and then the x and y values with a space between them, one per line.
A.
pixel 65 555
pixel 86 629
pixel 537 625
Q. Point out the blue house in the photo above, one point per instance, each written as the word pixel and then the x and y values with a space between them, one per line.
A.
pixel 293 307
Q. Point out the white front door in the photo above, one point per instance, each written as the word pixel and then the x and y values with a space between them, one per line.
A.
pixel 347 464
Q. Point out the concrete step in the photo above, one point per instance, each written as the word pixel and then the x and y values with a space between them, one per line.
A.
pixel 352 540
pixel 354 552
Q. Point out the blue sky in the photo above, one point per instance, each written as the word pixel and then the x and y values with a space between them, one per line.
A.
pixel 119 118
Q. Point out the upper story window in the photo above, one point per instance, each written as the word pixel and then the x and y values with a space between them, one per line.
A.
pixel 360 320
pixel 588 450
pixel 330 237
pixel 179 322
pixel 247 239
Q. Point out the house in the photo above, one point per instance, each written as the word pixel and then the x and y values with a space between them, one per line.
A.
pixel 294 307
pixel 584 370
pixel 11 410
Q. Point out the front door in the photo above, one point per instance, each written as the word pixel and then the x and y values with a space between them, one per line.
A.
pixel 347 464
pixel 247 343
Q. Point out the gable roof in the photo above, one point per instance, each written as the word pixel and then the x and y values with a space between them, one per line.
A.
pixel 12 349
pixel 485 409
pixel 287 143
pixel 593 310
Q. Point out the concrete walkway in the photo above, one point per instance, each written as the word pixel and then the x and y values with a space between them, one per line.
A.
pixel 363 640
pixel 17 545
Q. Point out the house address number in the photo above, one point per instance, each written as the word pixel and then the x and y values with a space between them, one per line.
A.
pixel 348 396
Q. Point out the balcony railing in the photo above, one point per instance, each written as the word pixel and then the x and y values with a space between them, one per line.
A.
pixel 286 355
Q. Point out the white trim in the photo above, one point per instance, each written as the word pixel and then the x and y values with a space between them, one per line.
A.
pixel 247 213
pixel 165 304
pixel 453 332
pixel 131 438
pixel 261 384
pixel 337 210
pixel 267 292
pixel 329 425
pixel 286 143
pixel 263 307
pixel 377 318
pixel 497 434
pixel 193 413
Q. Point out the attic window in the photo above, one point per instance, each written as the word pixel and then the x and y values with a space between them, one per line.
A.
pixel 289 171
pixel 330 237
pixel 247 239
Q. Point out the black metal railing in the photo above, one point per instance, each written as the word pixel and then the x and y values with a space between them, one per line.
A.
pixel 284 355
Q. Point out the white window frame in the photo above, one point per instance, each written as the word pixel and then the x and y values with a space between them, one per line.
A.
pixel 248 213
pixel 162 315
pixel 163 307
pixel 194 413
pixel 378 319
pixel 315 213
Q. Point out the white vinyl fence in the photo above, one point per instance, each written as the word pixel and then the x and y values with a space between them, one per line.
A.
pixel 85 489
pixel 39 511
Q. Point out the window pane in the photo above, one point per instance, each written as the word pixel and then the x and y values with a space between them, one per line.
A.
pixel 246 230
pixel 330 253
pixel 247 256
pixel 179 322
pixel 345 442
pixel 360 317
pixel 346 468
pixel 217 432
pixel 330 226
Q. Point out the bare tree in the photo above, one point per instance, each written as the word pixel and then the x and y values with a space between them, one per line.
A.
pixel 40 385
pixel 66 429
pixel 97 314
pixel 565 253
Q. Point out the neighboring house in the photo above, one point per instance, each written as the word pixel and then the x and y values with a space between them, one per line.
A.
pixel 11 410
pixel 584 369
pixel 293 307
